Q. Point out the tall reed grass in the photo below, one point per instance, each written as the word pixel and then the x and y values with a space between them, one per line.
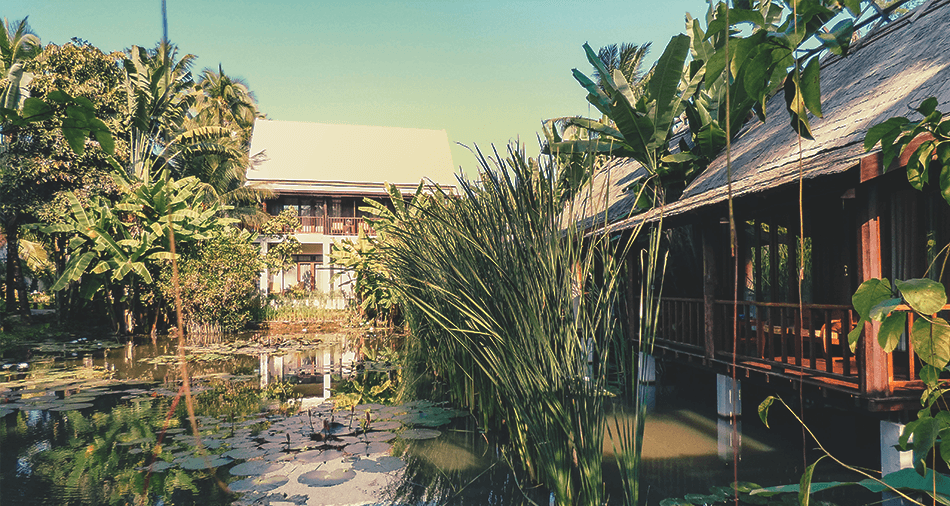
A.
pixel 518 313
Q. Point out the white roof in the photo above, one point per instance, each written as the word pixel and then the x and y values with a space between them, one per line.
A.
pixel 347 158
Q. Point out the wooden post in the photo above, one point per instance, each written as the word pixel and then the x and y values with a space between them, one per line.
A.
pixel 873 374
pixel 710 230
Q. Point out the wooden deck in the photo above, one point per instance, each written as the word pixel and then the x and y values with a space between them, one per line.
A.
pixel 778 340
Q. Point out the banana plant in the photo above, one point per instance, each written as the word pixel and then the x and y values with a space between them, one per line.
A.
pixel 112 243
pixel 689 81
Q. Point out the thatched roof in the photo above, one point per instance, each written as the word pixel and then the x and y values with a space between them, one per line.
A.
pixel 883 75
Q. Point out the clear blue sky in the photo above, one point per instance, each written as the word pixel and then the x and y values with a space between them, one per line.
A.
pixel 485 71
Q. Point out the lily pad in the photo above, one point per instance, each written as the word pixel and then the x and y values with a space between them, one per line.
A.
pixel 385 425
pixel 244 453
pixel 420 434
pixel 320 478
pixel 71 407
pixel 368 449
pixel 254 468
pixel 378 436
pixel 380 465
pixel 259 484
pixel 158 466
pixel 204 462
pixel 317 456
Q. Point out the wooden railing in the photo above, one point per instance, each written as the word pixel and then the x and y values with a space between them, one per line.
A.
pixel 769 335
pixel 811 338
pixel 332 225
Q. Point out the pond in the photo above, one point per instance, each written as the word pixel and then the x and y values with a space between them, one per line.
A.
pixel 99 422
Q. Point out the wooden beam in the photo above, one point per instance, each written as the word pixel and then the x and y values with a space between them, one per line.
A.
pixel 874 373
pixel 872 165
pixel 710 230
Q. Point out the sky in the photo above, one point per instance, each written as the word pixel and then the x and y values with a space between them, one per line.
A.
pixel 485 71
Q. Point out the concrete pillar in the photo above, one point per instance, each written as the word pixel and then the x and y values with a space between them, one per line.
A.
pixel 893 460
pixel 265 274
pixel 326 386
pixel 728 396
pixel 263 370
pixel 646 368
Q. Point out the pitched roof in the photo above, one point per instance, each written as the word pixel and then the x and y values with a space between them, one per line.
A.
pixel 887 72
pixel 299 156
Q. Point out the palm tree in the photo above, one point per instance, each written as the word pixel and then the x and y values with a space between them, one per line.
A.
pixel 226 101
pixel 626 57
pixel 159 92
pixel 17 43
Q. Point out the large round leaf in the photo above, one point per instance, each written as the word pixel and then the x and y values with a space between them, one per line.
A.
pixel 924 295
pixel 932 341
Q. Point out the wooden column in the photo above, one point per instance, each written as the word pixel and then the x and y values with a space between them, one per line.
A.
pixel 873 374
pixel 710 231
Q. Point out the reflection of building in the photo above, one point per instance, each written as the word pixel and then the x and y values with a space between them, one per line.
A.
pixel 323 173
pixel 313 366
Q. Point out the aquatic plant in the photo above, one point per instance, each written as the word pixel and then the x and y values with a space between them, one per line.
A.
pixel 516 313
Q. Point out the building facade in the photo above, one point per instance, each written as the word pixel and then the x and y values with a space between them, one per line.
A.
pixel 323 173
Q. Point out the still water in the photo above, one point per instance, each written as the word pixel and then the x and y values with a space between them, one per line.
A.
pixel 104 423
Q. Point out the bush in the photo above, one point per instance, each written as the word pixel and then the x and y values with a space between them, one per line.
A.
pixel 218 279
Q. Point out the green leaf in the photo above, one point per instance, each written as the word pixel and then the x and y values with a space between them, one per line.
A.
pixel 889 334
pixel 932 341
pixel 764 409
pixel 879 311
pixel 854 7
pixel 919 164
pixel 679 157
pixel 879 131
pixel 925 296
pixel 943 154
pixel 795 104
pixel 76 138
pixel 811 87
pixel 927 107
pixel 804 490
pixel 871 293
pixel 929 375
pixel 924 438
pixel 663 85
pixel 35 109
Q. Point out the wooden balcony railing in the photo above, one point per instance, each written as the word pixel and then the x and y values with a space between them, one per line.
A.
pixel 811 338
pixel 769 336
pixel 331 225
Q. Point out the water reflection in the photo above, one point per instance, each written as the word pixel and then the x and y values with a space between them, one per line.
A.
pixel 729 431
pixel 312 369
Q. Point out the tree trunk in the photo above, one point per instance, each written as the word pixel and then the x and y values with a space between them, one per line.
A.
pixel 15 282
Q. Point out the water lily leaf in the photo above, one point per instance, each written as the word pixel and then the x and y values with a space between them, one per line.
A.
pixel 244 453
pixel 420 434
pixel 259 484
pixel 320 478
pixel 368 449
pixel 204 462
pixel 72 407
pixel 255 468
pixel 157 466
pixel 380 465
pixel 317 456
pixel 378 436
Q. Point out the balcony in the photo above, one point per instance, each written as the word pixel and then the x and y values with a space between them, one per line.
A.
pixel 334 225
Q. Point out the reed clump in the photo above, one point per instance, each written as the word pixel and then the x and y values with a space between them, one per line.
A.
pixel 517 312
